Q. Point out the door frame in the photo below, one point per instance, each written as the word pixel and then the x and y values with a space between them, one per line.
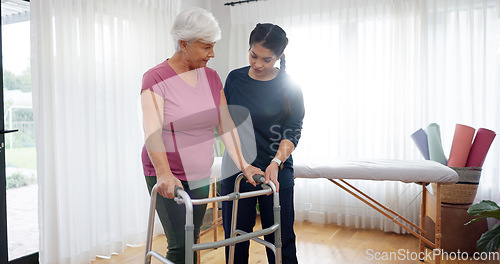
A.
pixel 4 246
pixel 4 256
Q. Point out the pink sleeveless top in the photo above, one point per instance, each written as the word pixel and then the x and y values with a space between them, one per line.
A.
pixel 190 115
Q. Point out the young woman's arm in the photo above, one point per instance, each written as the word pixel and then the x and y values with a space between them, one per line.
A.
pixel 291 131
pixel 285 149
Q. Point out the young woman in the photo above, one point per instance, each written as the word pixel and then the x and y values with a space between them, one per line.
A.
pixel 276 108
pixel 182 102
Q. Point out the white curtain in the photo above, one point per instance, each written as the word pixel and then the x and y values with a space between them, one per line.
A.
pixel 372 73
pixel 88 58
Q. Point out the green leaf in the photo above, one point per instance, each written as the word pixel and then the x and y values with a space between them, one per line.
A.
pixel 494 214
pixel 490 240
pixel 485 208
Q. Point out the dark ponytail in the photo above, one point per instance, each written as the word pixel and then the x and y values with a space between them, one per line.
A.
pixel 271 37
pixel 282 63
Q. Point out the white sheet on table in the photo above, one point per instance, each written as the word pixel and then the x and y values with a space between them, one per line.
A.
pixel 379 170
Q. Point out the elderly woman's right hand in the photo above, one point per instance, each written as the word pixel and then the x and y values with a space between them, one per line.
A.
pixel 166 185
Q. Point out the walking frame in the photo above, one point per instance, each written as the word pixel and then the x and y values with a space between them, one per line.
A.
pixel 237 236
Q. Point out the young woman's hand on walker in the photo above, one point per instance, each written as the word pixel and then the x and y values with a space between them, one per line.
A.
pixel 272 174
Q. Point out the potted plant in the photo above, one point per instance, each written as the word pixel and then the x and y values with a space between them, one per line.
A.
pixel 489 240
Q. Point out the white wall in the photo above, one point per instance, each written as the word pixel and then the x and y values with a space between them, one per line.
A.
pixel 221 61
pixel 185 4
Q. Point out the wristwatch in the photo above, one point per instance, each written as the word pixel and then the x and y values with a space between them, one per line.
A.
pixel 280 163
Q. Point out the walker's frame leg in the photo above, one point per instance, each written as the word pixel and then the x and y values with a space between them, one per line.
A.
pixel 277 234
pixel 149 240
pixel 234 218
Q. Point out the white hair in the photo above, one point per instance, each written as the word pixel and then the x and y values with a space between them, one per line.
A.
pixel 195 24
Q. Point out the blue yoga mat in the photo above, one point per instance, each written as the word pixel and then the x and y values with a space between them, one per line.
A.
pixel 420 139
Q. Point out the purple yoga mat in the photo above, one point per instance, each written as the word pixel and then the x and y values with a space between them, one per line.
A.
pixel 480 146
pixel 420 139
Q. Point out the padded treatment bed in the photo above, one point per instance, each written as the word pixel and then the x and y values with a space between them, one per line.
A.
pixel 379 170
pixel 421 172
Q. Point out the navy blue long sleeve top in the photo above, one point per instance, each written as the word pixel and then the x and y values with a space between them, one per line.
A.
pixel 265 112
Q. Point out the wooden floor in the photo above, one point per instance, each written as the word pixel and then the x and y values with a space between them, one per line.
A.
pixel 316 243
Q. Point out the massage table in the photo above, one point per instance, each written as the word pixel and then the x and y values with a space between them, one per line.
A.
pixel 421 172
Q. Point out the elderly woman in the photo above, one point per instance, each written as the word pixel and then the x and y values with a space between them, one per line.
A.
pixel 182 102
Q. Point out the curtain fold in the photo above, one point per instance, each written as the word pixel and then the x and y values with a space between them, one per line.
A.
pixel 88 58
pixel 372 73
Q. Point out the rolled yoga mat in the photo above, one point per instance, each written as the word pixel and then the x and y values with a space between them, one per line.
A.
pixel 420 139
pixel 436 152
pixel 480 147
pixel 460 148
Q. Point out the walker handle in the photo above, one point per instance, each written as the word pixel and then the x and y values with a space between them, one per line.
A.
pixel 176 190
pixel 258 178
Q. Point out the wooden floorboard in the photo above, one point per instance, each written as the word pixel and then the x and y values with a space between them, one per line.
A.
pixel 316 243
